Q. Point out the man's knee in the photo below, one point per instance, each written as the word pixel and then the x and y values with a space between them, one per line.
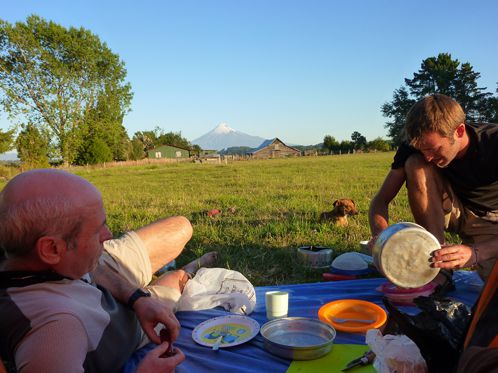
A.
pixel 418 170
pixel 176 230
pixel 184 227
pixel 416 163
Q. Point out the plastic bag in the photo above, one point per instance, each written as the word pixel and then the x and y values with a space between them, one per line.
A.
pixel 395 353
pixel 212 287
pixel 438 330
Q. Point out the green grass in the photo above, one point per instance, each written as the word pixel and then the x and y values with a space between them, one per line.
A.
pixel 277 204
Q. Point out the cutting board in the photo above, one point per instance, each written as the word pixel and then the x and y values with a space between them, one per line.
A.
pixel 334 361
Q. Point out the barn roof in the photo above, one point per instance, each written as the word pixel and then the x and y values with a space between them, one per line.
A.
pixel 268 142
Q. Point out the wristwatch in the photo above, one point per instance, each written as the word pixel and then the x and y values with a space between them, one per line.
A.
pixel 139 293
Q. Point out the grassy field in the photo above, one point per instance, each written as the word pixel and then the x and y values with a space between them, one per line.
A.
pixel 277 204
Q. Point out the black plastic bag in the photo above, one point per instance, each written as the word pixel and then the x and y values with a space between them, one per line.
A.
pixel 438 330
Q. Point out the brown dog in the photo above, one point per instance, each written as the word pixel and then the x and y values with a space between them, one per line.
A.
pixel 339 214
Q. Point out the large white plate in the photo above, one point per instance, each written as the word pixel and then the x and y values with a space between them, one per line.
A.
pixel 241 330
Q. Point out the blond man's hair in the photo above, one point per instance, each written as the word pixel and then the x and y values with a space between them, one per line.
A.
pixel 434 113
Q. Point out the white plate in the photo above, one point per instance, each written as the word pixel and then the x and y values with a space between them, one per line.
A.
pixel 241 330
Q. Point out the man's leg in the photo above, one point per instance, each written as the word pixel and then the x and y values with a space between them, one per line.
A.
pixel 165 239
pixel 425 194
pixel 177 279
pixel 169 287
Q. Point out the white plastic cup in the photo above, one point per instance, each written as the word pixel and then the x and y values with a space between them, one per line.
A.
pixel 277 304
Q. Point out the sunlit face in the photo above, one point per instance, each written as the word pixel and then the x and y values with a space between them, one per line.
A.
pixel 438 149
pixel 85 249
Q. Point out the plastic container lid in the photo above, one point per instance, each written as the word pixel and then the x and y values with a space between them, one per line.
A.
pixel 350 262
pixel 402 296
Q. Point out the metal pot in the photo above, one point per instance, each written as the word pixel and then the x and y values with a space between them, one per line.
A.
pixel 317 257
pixel 402 252
pixel 298 338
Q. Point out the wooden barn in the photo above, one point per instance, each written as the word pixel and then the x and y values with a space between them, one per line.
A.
pixel 274 148
pixel 168 151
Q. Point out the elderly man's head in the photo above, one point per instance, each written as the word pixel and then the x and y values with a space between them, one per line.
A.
pixel 48 204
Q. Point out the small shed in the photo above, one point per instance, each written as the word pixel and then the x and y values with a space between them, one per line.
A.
pixel 208 152
pixel 168 151
pixel 274 148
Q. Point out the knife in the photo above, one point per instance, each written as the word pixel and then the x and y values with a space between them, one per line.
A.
pixel 365 359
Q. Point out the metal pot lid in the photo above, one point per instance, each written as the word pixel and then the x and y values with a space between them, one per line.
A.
pixel 405 257
pixel 298 333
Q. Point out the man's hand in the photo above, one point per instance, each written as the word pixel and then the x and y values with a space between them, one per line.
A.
pixel 153 362
pixel 150 312
pixel 453 257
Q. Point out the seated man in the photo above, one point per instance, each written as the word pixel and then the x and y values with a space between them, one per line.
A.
pixel 71 298
pixel 451 174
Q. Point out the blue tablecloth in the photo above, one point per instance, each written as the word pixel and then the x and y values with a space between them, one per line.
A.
pixel 304 301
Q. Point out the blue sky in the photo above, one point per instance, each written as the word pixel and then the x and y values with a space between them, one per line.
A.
pixel 296 70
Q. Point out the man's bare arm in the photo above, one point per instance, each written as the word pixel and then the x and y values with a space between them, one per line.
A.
pixel 378 214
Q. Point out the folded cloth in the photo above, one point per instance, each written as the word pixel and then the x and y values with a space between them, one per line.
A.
pixel 212 287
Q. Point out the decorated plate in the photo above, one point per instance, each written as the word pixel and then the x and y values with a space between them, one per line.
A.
pixel 352 309
pixel 240 329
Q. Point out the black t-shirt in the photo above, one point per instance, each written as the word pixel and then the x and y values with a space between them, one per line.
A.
pixel 474 177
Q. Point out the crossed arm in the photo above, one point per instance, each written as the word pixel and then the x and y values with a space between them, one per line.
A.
pixel 149 310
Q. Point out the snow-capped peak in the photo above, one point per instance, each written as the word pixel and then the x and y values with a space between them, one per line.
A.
pixel 223 128
pixel 225 137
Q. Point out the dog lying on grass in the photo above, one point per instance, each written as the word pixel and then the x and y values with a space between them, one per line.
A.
pixel 339 214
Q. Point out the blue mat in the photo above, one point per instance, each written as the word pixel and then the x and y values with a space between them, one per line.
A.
pixel 304 301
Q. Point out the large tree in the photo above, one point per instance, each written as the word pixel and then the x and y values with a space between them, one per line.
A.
pixel 440 74
pixel 54 76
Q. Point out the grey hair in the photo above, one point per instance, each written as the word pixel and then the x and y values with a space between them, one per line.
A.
pixel 22 224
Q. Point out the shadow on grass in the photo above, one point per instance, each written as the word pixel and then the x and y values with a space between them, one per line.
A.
pixel 261 265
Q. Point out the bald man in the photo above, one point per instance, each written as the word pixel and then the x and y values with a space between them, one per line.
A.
pixel 73 299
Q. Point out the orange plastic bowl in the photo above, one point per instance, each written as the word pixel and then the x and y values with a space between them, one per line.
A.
pixel 352 309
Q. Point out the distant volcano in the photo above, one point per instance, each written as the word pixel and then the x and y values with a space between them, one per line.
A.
pixel 223 137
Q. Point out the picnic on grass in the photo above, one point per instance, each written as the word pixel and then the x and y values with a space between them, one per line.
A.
pixel 75 299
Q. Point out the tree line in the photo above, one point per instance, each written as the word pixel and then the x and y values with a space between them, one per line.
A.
pixel 358 143
pixel 66 94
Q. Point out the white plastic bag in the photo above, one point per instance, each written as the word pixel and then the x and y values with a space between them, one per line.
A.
pixel 395 353
pixel 212 287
